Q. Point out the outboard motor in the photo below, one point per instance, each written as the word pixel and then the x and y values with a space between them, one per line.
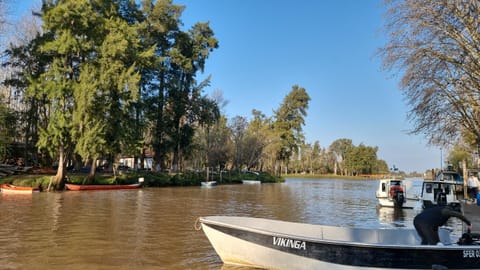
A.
pixel 398 198
pixel 469 238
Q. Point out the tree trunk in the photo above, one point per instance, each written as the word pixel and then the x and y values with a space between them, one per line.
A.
pixel 142 159
pixel 91 176
pixel 58 182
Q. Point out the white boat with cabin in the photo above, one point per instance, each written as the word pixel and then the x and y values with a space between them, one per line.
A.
pixel 397 193
pixel 440 192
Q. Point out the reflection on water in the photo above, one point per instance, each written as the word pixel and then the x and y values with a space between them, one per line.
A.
pixel 394 216
pixel 153 228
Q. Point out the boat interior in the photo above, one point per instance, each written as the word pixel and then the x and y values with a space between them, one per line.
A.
pixel 312 232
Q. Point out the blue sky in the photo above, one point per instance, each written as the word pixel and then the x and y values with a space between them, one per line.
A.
pixel 327 47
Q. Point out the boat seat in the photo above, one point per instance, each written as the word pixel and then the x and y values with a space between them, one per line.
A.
pixel 383 236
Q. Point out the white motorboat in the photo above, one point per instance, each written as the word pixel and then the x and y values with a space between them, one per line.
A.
pixel 273 244
pixel 439 192
pixel 208 183
pixel 396 193
pixel 252 182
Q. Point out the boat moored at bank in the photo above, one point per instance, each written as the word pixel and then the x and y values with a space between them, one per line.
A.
pixel 440 192
pixel 74 187
pixel 12 189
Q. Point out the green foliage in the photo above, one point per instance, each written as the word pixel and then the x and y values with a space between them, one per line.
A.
pixel 186 179
pixel 381 167
pixel 361 160
pixel 289 119
pixel 458 154
pixel 110 78
pixel 340 148
pixel 40 181
pixel 8 130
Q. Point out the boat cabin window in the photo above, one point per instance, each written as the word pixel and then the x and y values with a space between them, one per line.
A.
pixel 428 188
pixel 384 187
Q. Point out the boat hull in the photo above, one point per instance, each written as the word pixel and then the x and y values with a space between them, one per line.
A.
pixel 74 187
pixel 209 184
pixel 409 203
pixel 251 182
pixel 11 189
pixel 251 242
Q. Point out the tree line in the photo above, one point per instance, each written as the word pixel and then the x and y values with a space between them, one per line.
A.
pixel 105 79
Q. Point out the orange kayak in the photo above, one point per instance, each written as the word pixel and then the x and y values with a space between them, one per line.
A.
pixel 8 188
pixel 101 187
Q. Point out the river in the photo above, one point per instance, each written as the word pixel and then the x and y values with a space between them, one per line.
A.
pixel 154 228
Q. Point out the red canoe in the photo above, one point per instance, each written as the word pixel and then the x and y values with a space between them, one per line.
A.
pixel 101 187
pixel 8 188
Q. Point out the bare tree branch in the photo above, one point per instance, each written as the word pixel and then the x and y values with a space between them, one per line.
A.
pixel 435 45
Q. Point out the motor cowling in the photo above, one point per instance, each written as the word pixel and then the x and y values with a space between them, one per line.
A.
pixel 398 198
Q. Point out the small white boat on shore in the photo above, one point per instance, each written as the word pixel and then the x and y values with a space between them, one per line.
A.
pixel 273 244
pixel 251 182
pixel 208 183
pixel 397 193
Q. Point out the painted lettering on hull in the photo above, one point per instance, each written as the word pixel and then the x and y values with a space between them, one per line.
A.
pixel 471 253
pixel 289 243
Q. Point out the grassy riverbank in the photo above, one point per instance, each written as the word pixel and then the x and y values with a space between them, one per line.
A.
pixel 151 179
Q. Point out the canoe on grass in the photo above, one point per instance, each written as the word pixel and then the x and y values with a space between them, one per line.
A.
pixel 101 187
pixel 273 244
pixel 8 188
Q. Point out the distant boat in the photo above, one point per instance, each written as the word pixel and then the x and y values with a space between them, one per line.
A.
pixel 8 188
pixel 449 175
pixel 251 182
pixel 74 187
pixel 209 183
pixel 396 193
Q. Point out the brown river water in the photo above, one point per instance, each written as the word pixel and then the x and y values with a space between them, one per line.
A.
pixel 154 228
